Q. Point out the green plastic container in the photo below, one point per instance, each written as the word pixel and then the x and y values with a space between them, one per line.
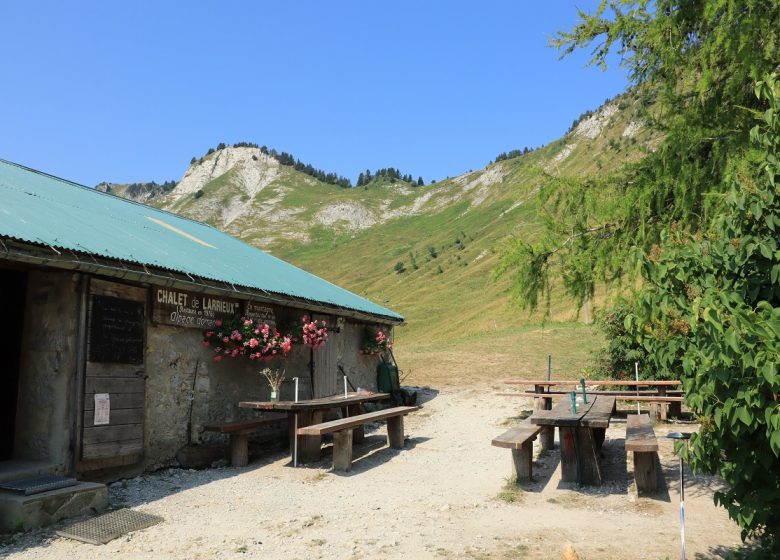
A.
pixel 387 378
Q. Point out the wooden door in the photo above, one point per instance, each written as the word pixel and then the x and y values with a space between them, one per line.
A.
pixel 325 374
pixel 114 383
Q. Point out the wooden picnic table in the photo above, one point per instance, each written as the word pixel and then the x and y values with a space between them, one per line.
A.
pixel 581 435
pixel 311 411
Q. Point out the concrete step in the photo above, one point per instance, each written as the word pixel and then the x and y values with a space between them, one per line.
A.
pixel 19 512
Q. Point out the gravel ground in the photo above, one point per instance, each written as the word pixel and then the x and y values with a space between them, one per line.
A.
pixel 443 496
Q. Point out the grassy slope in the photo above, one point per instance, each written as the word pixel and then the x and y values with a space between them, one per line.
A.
pixel 460 324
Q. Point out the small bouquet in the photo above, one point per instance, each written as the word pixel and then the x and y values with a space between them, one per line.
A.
pixel 315 333
pixel 275 378
pixel 376 342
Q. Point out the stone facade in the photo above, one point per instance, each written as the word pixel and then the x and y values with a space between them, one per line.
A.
pixel 184 387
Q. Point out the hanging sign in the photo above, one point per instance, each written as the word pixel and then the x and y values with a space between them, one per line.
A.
pixel 260 313
pixel 188 309
pixel 102 409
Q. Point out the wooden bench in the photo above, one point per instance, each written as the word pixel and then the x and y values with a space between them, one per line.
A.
pixel 520 440
pixel 342 432
pixel 239 435
pixel 641 440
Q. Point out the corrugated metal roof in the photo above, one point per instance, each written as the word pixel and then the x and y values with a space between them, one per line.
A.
pixel 38 208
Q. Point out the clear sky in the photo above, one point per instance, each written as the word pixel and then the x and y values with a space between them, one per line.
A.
pixel 130 91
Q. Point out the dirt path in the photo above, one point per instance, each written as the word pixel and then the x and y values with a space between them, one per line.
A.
pixel 438 498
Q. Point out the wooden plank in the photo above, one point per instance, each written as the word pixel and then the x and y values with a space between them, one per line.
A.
pixel 639 434
pixel 117 417
pixel 106 434
pixel 324 403
pixel 561 414
pixel 607 382
pixel 515 436
pixel 346 423
pixel 97 369
pixel 600 412
pixel 112 449
pixel 118 401
pixel 595 392
pixel 114 289
pixel 226 428
pixel 113 385
pixel 325 372
pixel 625 397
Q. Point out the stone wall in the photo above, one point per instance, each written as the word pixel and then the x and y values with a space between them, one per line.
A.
pixel 185 388
pixel 45 412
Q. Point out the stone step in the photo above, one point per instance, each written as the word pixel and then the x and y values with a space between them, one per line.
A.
pixel 19 470
pixel 19 512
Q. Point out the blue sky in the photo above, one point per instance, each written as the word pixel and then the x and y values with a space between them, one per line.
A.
pixel 130 91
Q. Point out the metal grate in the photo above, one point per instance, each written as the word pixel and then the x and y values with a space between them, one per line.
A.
pixel 38 484
pixel 107 527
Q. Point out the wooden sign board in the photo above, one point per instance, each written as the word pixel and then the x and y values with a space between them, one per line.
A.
pixel 116 330
pixel 188 309
pixel 260 313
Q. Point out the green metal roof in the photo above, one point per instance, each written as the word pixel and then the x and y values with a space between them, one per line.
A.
pixel 41 209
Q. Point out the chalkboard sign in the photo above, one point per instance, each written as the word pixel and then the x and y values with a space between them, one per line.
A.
pixel 116 330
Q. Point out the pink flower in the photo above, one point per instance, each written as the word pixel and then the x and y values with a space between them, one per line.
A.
pixel 247 323
pixel 209 334
pixel 217 323
pixel 253 342
pixel 206 344
pixel 225 339
pixel 217 358
pixel 234 353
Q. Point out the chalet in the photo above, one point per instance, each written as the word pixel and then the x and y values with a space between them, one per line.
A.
pixel 104 304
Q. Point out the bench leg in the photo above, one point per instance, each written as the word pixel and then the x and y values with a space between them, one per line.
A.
pixel 547 437
pixel 645 473
pixel 522 461
pixel 239 450
pixel 342 450
pixel 395 432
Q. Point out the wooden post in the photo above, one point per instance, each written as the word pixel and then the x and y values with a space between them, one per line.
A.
pixel 547 437
pixel 522 461
pixel 395 432
pixel 568 454
pixel 309 447
pixel 342 450
pixel 239 449
pixel 358 432
pixel 645 473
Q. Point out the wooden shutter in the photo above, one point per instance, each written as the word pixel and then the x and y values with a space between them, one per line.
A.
pixel 325 374
pixel 116 350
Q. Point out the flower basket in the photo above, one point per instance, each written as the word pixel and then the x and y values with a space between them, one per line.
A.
pixel 376 342
pixel 243 337
pixel 314 333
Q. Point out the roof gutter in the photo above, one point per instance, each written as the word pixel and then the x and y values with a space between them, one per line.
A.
pixel 35 255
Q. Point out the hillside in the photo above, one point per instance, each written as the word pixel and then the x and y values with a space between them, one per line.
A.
pixel 445 236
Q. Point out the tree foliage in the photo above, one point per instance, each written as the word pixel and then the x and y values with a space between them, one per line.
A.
pixel 699 60
pixel 710 309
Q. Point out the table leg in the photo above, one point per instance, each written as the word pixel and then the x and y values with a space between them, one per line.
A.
pixel 579 455
pixel 309 447
pixel 358 432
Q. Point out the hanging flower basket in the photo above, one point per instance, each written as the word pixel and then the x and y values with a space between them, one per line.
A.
pixel 314 333
pixel 244 337
pixel 376 342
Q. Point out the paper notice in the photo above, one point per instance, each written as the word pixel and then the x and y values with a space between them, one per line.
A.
pixel 102 409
